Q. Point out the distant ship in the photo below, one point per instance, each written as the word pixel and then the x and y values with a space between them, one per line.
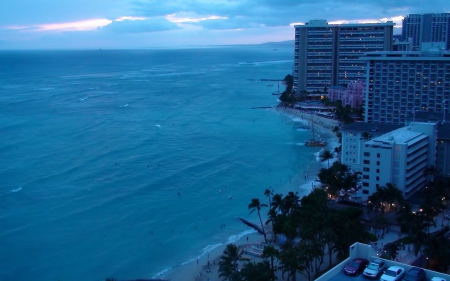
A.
pixel 313 141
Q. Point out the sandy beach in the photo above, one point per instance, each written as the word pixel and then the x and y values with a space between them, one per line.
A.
pixel 207 266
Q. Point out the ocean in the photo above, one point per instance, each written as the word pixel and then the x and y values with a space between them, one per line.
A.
pixel 120 163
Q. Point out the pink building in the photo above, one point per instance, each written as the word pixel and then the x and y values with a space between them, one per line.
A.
pixel 351 95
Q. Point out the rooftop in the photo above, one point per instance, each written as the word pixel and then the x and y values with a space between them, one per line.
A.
pixel 403 135
pixel 359 250
pixel 371 127
pixel 407 55
pixel 322 23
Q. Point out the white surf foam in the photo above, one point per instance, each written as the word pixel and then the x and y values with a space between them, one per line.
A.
pixel 16 190
pixel 234 238
pixel 157 125
pixel 125 105
pixel 45 89
pixel 83 99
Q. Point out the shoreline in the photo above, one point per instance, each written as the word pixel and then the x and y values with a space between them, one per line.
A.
pixel 302 183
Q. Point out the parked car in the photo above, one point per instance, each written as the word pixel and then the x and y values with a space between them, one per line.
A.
pixel 437 279
pixel 375 268
pixel 356 266
pixel 393 273
pixel 415 274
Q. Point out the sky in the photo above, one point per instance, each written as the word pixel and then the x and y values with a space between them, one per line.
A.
pixel 128 24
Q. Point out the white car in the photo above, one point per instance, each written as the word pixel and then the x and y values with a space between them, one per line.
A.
pixel 393 273
pixel 374 269
pixel 437 279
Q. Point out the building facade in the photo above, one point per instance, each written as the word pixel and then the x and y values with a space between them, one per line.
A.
pixel 398 83
pixel 352 95
pixel 399 158
pixel 427 28
pixel 353 141
pixel 402 46
pixel 443 137
pixel 327 54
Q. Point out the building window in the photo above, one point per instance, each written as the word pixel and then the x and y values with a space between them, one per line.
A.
pixel 367 154
pixel 366 177
pixel 378 178
pixel 365 184
pixel 378 171
pixel 377 185
pixel 366 161
pixel 365 191
pixel 378 155
pixel 365 169
pixel 378 163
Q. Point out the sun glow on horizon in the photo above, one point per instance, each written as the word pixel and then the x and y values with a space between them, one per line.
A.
pixel 179 19
pixel 78 25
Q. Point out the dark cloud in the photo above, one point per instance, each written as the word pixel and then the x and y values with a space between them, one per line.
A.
pixel 140 26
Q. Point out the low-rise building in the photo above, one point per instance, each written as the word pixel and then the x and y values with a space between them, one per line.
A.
pixel 353 141
pixel 399 157
pixel 352 95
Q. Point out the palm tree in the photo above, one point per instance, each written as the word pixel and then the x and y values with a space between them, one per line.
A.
pixel 256 205
pixel 326 155
pixel 405 217
pixel 431 171
pixel 335 129
pixel 338 150
pixel 228 263
pixel 366 136
pixel 271 253
pixel 391 195
pixel 269 193
pixel 260 271
pixel 277 202
pixel 375 202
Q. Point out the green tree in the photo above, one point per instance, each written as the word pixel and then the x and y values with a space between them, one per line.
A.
pixel 326 155
pixel 290 260
pixel 256 205
pixel 270 253
pixel 260 271
pixel 269 193
pixel 366 136
pixel 406 217
pixel 437 250
pixel 228 263
pixel 431 171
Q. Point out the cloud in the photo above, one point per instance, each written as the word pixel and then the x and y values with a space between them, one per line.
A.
pixel 255 13
pixel 139 26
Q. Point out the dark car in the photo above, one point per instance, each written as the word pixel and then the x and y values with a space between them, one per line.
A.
pixel 356 266
pixel 415 274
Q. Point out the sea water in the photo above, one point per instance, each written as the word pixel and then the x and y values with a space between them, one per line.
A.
pixel 121 163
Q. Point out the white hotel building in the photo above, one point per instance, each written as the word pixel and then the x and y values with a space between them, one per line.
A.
pixel 397 82
pixel 327 54
pixel 398 157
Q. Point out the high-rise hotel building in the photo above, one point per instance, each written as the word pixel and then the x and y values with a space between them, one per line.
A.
pixel 328 54
pixel 427 28
pixel 398 83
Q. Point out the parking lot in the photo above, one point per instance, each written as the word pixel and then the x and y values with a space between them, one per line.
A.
pixel 342 276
